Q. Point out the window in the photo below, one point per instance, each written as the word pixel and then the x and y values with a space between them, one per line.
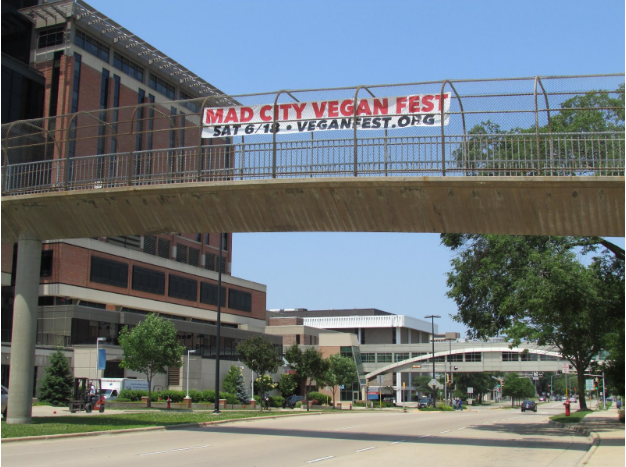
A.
pixel 368 357
pixel 548 358
pixel 209 261
pixel 457 357
pixel 164 248
pixel 225 241
pixel 419 354
pixel 473 357
pixel 208 294
pixel 75 90
pixel 383 357
pixel 183 288
pixel 529 357
pixel 161 86
pixel 510 356
pixel 193 106
pixel 128 66
pixel 104 97
pixel 148 280
pixel 238 300
pixel 181 253
pixel 199 237
pixel 51 37
pixel 92 46
pixel 46 263
pixel 401 356
pixel 441 358
pixel 149 244
pixel 194 256
pixel 141 95
pixel 206 241
pixel 106 271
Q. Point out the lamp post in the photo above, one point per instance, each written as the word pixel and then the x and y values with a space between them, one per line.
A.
pixel 216 410
pixel 432 339
pixel 188 353
pixel 98 340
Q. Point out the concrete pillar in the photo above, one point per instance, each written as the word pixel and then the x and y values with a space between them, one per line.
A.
pixel 25 307
pixel 398 335
pixel 359 334
pixel 398 388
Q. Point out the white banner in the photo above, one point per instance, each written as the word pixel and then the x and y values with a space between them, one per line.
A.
pixel 304 117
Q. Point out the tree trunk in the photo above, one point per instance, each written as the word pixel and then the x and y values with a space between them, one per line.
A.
pixel 582 403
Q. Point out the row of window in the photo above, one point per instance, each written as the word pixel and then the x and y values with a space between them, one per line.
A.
pixel 115 273
pixel 467 357
pixel 184 254
pixel 55 36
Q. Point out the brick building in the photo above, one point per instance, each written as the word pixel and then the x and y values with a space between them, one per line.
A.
pixel 90 74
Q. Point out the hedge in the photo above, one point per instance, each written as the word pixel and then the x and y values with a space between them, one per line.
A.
pixel 322 399
pixel 197 397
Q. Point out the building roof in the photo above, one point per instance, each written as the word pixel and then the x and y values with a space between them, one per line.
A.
pixel 51 13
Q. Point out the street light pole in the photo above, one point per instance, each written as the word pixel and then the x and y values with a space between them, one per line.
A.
pixel 216 410
pixel 188 352
pixel 98 340
pixel 432 339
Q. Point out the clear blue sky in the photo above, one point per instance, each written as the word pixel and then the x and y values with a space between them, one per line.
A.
pixel 262 46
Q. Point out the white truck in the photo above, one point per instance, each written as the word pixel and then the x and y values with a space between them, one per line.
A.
pixel 113 386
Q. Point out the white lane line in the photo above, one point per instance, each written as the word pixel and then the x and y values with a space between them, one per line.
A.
pixel 398 442
pixel 365 449
pixel 174 450
pixel 463 428
pixel 442 432
pixel 346 428
pixel 425 436
pixel 320 459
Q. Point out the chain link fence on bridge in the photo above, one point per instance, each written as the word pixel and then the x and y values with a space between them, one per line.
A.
pixel 542 126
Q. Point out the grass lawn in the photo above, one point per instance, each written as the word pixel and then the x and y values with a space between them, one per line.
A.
pixel 41 426
pixel 575 417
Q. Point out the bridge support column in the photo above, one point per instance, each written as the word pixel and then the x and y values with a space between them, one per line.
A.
pixel 24 337
pixel 399 388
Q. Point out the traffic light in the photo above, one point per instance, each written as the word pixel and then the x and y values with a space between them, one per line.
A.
pixel 403 385
pixel 595 383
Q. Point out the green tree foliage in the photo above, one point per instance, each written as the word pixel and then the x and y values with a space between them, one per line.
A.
pixel 260 355
pixel 518 388
pixel 490 150
pixel 541 289
pixel 341 371
pixel 308 365
pixel 230 380
pixel 234 383
pixel 150 348
pixel 288 384
pixel 57 385
pixel 481 383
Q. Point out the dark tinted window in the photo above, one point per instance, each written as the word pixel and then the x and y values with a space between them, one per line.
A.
pixel 46 263
pixel 148 280
pixel 208 294
pixel 238 300
pixel 106 271
pixel 181 287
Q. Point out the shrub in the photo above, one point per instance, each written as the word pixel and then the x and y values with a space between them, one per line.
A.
pixel 175 396
pixel 131 395
pixel 276 401
pixel 322 399
pixel 57 385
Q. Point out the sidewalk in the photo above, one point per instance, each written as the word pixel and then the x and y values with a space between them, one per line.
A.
pixel 608 446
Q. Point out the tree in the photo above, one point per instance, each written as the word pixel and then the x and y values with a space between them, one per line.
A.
pixel 308 365
pixel 57 385
pixel 479 382
pixel 234 383
pixel 518 388
pixel 342 371
pixel 261 356
pixel 536 289
pixel 150 348
pixel 288 384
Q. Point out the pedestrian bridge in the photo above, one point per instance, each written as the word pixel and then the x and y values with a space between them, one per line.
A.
pixel 500 156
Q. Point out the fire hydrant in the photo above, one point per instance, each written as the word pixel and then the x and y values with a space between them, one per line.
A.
pixel 169 402
pixel 566 404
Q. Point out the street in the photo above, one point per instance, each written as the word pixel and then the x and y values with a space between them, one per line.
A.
pixel 482 436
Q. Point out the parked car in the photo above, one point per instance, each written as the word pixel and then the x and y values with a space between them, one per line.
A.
pixel 291 401
pixel 572 399
pixel 529 405
pixel 424 402
pixel 5 400
pixel 392 400
pixel 542 399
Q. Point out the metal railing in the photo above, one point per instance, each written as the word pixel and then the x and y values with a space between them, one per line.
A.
pixel 496 128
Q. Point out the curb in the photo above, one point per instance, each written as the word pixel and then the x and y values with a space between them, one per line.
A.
pixel 151 428
pixel 583 431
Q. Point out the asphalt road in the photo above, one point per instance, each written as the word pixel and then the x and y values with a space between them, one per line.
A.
pixel 483 437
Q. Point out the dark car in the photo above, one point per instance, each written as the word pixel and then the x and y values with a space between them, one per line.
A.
pixel 529 405
pixel 424 402
pixel 291 401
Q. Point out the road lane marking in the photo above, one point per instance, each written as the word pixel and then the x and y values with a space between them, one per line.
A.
pixel 398 442
pixel 320 459
pixel 463 428
pixel 447 431
pixel 174 450
pixel 346 428
pixel 425 436
pixel 365 449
